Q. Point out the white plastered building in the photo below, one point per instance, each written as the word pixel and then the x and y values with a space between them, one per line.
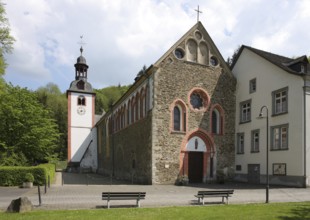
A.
pixel 281 85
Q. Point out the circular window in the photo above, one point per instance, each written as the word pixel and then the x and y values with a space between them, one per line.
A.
pixel 179 53
pixel 198 99
pixel 198 35
pixel 213 61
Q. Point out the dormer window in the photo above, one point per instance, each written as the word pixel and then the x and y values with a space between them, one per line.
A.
pixel 80 85
pixel 302 69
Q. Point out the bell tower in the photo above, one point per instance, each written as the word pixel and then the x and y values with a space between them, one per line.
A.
pixel 81 113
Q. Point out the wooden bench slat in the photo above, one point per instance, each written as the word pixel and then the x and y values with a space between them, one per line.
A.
pixel 214 193
pixel 123 196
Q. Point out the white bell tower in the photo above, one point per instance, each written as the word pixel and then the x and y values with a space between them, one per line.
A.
pixel 81 113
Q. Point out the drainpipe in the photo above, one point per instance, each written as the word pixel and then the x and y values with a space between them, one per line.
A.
pixel 305 133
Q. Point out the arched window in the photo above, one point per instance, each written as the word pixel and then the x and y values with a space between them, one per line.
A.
pixel 191 50
pixel 81 100
pixel 125 116
pixel 137 107
pixel 178 116
pixel 142 103
pixel 217 120
pixel 133 113
pixel 203 53
pixel 129 113
pixel 176 119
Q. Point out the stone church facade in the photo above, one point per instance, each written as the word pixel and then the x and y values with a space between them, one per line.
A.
pixel 176 122
pixel 189 118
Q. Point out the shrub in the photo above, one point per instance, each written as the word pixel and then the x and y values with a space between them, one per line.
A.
pixel 29 177
pixel 15 176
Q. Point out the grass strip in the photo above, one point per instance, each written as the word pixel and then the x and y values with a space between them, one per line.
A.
pixel 285 211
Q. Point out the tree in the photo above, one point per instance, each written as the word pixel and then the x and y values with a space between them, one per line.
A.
pixel 55 102
pixel 232 59
pixel 6 40
pixel 26 130
pixel 108 95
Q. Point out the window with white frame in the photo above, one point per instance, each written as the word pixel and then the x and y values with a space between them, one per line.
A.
pixel 253 85
pixel 279 137
pixel 255 141
pixel 245 111
pixel 279 98
pixel 240 143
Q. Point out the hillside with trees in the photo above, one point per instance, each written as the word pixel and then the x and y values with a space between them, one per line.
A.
pixel 107 96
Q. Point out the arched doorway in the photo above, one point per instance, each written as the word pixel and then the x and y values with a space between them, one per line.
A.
pixel 196 157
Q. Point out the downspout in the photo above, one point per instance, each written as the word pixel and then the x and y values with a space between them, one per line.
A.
pixel 305 133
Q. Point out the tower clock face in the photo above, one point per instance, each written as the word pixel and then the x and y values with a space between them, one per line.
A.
pixel 81 110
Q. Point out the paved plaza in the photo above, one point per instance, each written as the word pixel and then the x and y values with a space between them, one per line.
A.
pixel 83 191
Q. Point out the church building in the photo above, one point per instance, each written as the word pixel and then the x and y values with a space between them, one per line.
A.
pixel 176 122
pixel 190 118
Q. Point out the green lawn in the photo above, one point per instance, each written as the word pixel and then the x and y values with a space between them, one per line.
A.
pixel 284 211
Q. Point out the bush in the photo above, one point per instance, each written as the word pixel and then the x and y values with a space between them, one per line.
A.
pixel 29 177
pixel 15 176
pixel 50 171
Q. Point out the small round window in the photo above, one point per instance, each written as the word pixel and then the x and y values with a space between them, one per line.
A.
pixel 214 61
pixel 198 35
pixel 179 53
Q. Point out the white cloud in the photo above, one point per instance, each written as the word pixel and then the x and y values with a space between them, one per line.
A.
pixel 122 36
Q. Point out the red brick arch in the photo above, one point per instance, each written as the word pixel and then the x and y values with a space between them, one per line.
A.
pixel 183 159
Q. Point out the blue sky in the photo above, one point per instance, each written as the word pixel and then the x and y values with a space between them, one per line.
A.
pixel 122 36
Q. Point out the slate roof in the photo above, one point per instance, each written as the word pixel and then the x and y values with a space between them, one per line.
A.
pixel 87 87
pixel 291 65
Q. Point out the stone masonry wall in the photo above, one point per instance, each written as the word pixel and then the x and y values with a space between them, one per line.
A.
pixel 174 80
pixel 131 147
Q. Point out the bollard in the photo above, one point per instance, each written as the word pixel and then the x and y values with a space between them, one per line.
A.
pixel 39 193
pixel 48 181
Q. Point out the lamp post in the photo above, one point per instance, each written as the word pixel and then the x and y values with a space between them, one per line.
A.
pixel 267 149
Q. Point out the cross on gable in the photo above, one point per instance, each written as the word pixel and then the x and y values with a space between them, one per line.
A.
pixel 198 12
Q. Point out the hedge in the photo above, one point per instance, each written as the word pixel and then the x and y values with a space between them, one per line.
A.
pixel 14 176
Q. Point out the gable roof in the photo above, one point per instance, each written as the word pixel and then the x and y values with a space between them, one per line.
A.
pixel 285 63
pixel 198 26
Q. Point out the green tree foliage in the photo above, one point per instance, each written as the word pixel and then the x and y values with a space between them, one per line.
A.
pixel 6 40
pixel 56 103
pixel 27 130
pixel 108 95
pixel 232 59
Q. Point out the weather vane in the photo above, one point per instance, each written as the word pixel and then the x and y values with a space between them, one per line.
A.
pixel 198 12
pixel 81 42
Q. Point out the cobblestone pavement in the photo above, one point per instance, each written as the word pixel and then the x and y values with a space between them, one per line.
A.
pixel 83 191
